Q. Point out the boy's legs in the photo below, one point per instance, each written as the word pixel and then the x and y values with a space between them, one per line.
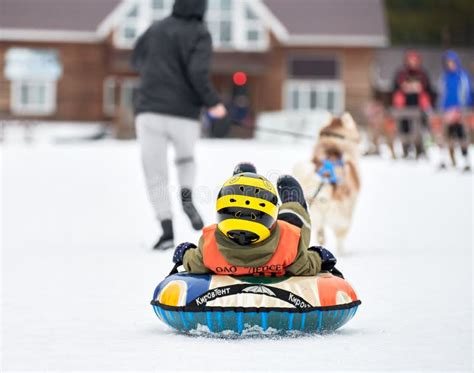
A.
pixel 457 133
pixel 184 133
pixel 418 136
pixel 439 135
pixel 404 131
pixel 294 208
pixel 464 143
pixel 151 134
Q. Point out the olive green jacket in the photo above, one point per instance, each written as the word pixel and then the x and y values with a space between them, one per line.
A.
pixel 307 263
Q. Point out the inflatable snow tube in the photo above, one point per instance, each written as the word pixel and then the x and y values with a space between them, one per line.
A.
pixel 237 304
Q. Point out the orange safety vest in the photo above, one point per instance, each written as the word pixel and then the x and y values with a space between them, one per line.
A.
pixel 284 254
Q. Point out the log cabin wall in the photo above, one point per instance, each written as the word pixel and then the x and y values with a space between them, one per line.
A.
pixel 80 88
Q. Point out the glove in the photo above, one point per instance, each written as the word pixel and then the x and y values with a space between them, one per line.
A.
pixel 181 250
pixel 328 260
pixel 336 272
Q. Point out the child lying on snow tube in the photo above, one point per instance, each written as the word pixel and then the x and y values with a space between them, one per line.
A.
pixel 255 237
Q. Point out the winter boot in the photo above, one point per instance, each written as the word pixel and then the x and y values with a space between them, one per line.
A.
pixel 467 163
pixel 442 166
pixel 166 240
pixel 443 155
pixel 244 167
pixel 290 190
pixel 190 209
pixel 420 151
pixel 406 150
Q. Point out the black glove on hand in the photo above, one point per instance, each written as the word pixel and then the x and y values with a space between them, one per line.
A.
pixel 328 260
pixel 180 250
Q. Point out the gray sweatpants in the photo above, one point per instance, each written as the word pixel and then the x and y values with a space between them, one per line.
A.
pixel 154 132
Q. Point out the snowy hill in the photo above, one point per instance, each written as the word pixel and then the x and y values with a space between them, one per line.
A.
pixel 78 274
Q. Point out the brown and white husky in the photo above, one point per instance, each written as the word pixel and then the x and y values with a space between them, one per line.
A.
pixel 331 205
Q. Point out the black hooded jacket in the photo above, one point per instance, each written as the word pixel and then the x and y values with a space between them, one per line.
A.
pixel 173 58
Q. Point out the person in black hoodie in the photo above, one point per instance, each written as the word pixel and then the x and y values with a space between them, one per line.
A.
pixel 173 58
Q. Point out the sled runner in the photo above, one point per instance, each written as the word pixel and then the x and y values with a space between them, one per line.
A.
pixel 216 303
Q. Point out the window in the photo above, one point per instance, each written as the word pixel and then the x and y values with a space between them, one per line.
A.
pixel 33 97
pixel 33 74
pixel 325 67
pixel 314 95
pixel 128 91
pixel 129 29
pixel 232 23
pixel 219 21
pixel 141 14
pixel 161 9
pixel 314 84
pixel 110 96
pixel 256 35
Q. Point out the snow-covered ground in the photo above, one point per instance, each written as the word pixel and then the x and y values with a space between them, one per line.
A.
pixel 78 272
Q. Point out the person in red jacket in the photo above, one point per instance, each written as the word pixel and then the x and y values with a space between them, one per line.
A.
pixel 412 89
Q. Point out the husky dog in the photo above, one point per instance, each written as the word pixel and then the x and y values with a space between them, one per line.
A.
pixel 331 198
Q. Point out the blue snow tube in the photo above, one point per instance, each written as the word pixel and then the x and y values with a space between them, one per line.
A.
pixel 238 304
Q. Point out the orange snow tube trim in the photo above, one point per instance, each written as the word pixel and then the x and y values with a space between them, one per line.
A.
pixel 334 290
pixel 284 255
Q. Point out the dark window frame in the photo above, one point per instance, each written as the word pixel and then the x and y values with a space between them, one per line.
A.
pixel 315 57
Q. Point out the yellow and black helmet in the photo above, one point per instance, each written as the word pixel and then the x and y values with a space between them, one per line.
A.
pixel 247 208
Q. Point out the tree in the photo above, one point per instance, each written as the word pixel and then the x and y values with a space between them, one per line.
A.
pixel 431 22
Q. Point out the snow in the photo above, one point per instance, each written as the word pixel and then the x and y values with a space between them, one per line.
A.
pixel 26 63
pixel 78 273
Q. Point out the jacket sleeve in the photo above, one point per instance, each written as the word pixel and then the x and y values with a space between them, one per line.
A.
pixel 441 93
pixel 140 51
pixel 466 88
pixel 198 67
pixel 396 82
pixel 307 263
pixel 193 261
pixel 294 213
pixel 428 85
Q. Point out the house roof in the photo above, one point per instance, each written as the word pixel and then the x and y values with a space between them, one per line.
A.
pixel 360 22
pixel 294 22
pixel 73 15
